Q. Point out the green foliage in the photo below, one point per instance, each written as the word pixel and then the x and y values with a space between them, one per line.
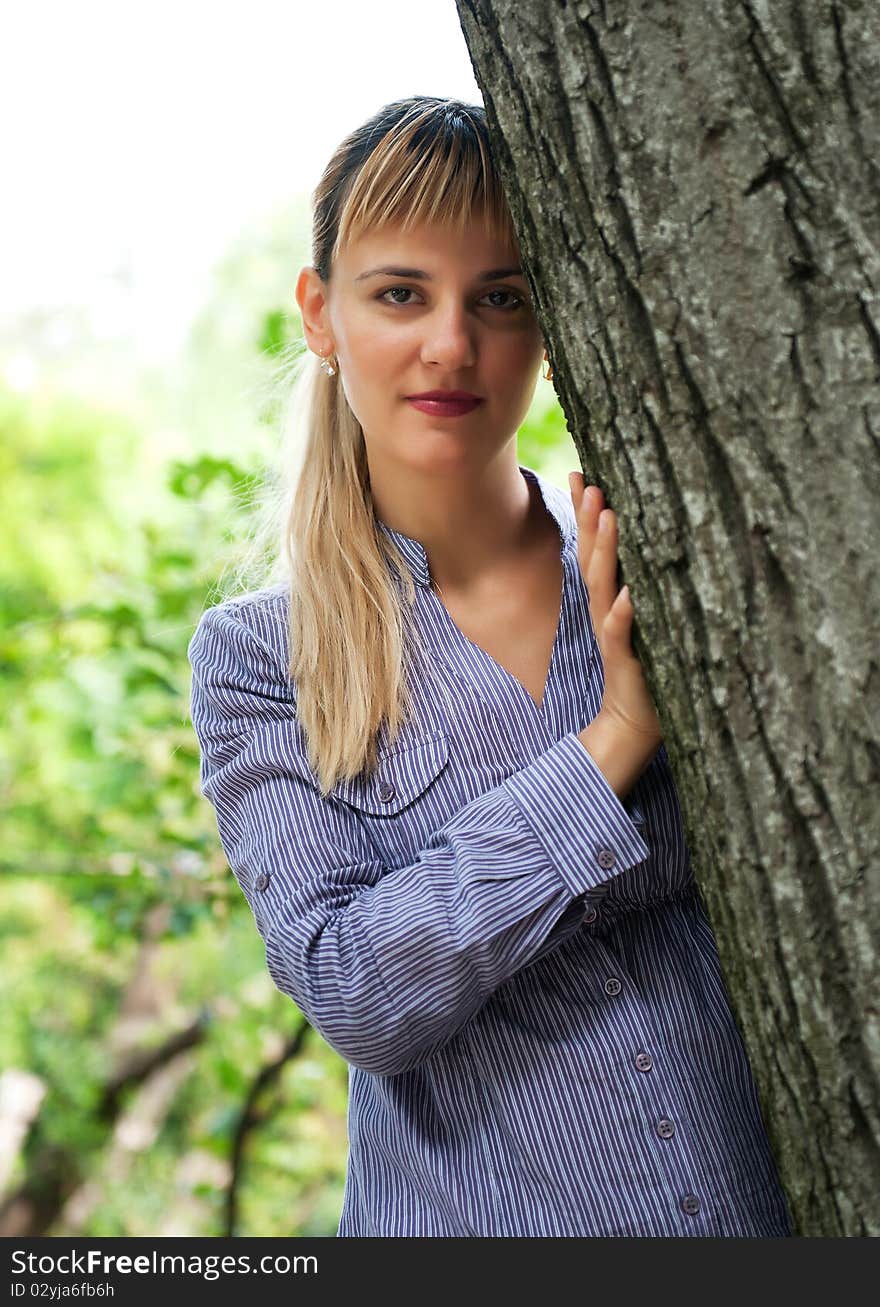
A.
pixel 120 920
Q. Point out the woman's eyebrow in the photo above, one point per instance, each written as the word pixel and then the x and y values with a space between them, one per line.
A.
pixel 418 275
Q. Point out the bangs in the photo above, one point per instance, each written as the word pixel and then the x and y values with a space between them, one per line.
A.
pixel 424 170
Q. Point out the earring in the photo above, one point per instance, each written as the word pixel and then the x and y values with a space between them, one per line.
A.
pixel 548 375
pixel 328 367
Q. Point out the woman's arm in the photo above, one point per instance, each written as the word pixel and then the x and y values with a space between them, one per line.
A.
pixel 389 964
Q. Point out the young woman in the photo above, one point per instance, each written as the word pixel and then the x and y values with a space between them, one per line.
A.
pixel 438 774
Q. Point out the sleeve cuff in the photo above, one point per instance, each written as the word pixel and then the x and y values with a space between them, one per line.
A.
pixel 582 825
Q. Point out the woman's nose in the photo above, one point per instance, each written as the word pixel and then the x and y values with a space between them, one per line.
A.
pixel 449 339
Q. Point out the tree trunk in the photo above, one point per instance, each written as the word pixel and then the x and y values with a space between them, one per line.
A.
pixel 695 187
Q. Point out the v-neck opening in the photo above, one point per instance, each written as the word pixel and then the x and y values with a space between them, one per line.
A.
pixel 499 668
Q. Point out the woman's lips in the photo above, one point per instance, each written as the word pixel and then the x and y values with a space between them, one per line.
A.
pixel 445 408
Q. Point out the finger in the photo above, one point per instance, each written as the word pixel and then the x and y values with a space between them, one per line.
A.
pixel 588 502
pixel 581 492
pixel 601 575
pixel 618 623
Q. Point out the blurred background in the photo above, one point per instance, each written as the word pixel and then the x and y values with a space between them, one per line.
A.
pixel 159 162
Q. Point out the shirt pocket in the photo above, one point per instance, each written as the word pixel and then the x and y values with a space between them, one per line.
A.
pixel 405 800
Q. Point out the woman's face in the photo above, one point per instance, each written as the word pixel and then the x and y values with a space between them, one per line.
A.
pixel 434 322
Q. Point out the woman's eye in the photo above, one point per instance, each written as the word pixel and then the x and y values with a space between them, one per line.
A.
pixel 518 301
pixel 396 290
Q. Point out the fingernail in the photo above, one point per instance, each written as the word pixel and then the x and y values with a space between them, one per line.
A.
pixel 604 520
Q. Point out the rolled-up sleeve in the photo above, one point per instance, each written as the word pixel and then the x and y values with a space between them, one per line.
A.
pixel 389 964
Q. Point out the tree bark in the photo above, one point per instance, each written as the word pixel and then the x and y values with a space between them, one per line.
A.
pixel 696 191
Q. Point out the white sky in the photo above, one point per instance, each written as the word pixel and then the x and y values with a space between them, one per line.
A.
pixel 139 138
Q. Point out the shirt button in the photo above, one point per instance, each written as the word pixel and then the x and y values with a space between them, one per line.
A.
pixel 665 1128
pixel 590 915
pixel 386 791
pixel 690 1204
pixel 606 858
pixel 612 985
pixel 644 1061
pixel 262 880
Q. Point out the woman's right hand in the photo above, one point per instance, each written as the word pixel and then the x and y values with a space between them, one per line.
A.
pixel 626 702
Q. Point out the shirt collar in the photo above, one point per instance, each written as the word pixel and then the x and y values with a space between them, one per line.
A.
pixel 555 501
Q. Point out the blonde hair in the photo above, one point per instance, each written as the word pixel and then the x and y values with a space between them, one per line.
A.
pixel 353 645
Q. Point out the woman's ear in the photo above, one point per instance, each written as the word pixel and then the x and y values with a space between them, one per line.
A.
pixel 311 296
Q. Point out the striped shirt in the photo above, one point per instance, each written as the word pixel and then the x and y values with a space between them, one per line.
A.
pixel 516 965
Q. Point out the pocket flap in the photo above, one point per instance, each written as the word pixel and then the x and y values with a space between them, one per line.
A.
pixel 401 777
